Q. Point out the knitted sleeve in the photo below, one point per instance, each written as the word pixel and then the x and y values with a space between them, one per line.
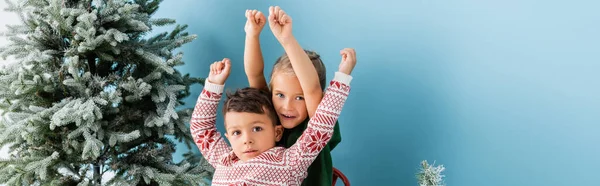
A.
pixel 203 125
pixel 320 127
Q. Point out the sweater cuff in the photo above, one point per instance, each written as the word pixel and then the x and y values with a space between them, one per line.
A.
pixel 211 87
pixel 342 78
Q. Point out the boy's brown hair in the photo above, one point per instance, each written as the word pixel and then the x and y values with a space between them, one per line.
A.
pixel 283 65
pixel 251 100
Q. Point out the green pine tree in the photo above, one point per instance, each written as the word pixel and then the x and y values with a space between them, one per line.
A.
pixel 90 93
pixel 430 175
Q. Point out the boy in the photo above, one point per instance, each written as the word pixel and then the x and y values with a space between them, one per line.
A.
pixel 252 129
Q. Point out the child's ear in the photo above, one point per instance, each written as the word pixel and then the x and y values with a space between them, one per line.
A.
pixel 278 132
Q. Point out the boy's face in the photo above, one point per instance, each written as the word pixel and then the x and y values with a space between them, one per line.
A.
pixel 288 100
pixel 251 134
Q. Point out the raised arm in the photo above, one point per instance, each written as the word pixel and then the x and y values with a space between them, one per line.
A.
pixel 253 59
pixel 320 127
pixel 203 123
pixel 281 26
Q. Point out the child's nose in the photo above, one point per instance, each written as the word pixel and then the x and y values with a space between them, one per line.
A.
pixel 248 139
pixel 287 104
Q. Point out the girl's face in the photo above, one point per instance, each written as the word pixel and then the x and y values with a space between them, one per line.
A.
pixel 288 99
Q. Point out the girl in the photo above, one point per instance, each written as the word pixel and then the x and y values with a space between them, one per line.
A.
pixel 297 82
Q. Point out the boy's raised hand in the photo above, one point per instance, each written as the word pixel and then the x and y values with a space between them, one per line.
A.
pixel 255 21
pixel 280 23
pixel 348 60
pixel 219 71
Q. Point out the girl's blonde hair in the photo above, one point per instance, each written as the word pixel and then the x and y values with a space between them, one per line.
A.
pixel 283 65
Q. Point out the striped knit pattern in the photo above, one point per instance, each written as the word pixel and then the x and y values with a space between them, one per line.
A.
pixel 276 166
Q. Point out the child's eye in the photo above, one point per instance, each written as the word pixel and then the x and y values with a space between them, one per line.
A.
pixel 280 95
pixel 235 133
pixel 256 129
pixel 299 98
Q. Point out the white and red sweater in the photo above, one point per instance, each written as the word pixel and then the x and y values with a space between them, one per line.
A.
pixel 278 165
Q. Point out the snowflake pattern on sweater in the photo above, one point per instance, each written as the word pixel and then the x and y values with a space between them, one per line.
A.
pixel 278 165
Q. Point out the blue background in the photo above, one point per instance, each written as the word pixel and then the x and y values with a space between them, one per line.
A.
pixel 499 92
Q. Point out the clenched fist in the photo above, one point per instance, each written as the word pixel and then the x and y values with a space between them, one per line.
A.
pixel 219 71
pixel 255 21
pixel 348 60
pixel 280 23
